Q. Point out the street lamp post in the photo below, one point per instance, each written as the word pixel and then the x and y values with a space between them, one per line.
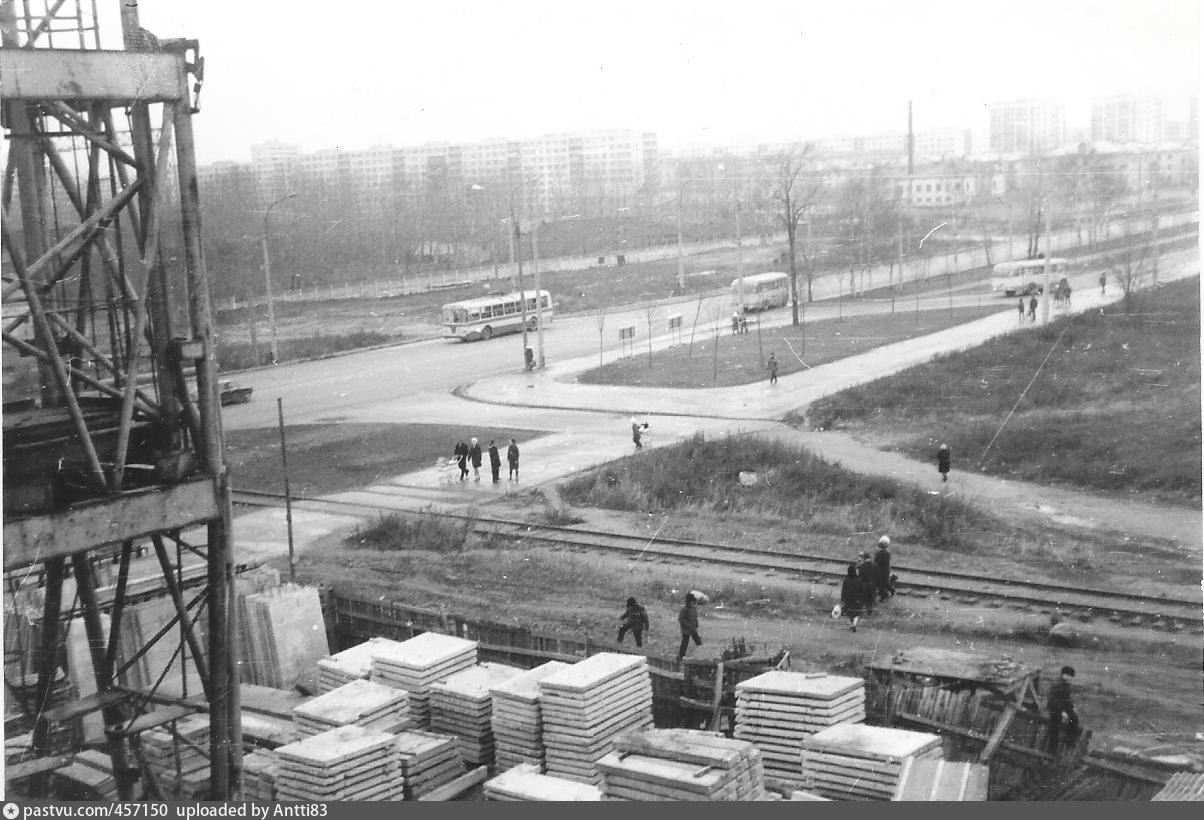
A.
pixel 267 275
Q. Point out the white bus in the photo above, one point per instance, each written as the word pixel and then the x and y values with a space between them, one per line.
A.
pixel 762 291
pixel 489 316
pixel 1025 276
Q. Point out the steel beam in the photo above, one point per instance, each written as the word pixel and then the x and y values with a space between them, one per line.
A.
pixel 114 77
pixel 88 525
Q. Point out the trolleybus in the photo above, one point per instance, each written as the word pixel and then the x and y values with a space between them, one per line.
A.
pixel 1025 276
pixel 762 291
pixel 489 316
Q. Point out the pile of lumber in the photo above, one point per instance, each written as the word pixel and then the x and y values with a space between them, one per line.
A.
pixel 415 664
pixel 347 763
pixel 462 706
pixel 859 762
pixel 526 783
pixel 89 777
pixel 191 781
pixel 776 711
pixel 682 764
pixel 428 761
pixel 517 724
pixel 282 635
pixel 361 703
pixel 587 706
pixel 259 771
pixel 350 664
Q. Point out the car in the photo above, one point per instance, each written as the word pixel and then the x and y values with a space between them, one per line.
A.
pixel 231 393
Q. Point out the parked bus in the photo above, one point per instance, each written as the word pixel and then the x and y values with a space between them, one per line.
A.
pixel 762 291
pixel 489 316
pixel 1025 276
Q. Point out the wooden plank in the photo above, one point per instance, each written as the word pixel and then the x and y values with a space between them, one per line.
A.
pixel 65 74
pixel 997 735
pixel 92 524
pixel 152 719
pixel 458 786
pixel 82 706
pixel 39 765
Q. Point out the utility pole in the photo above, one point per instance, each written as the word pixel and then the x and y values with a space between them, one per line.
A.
pixel 516 240
pixel 681 255
pixel 538 294
pixel 1045 283
pixel 267 275
pixel 1154 269
pixel 739 256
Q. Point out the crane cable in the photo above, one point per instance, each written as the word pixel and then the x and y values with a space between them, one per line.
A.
pixel 982 459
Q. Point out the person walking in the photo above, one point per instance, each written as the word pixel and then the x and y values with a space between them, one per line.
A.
pixel 1021 306
pixel 1059 704
pixel 634 620
pixel 882 568
pixel 773 369
pixel 495 461
pixel 852 597
pixel 1032 308
pixel 637 433
pixel 1103 283
pixel 461 454
pixel 735 323
pixel 474 455
pixel 868 574
pixel 687 620
pixel 942 462
pixel 512 458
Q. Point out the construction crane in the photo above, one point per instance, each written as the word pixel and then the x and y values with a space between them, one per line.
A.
pixel 107 454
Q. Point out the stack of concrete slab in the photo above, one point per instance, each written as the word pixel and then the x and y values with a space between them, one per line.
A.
pixel 350 664
pixel 777 710
pixel 936 779
pixel 260 769
pixel 283 636
pixel 89 777
pixel 428 761
pixel 415 664
pixel 682 764
pixel 358 703
pixel 586 707
pixel 859 762
pixel 347 763
pixel 517 725
pixel 526 783
pixel 191 780
pixel 462 706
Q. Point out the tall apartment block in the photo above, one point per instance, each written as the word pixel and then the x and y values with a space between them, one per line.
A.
pixel 1024 126
pixel 1128 118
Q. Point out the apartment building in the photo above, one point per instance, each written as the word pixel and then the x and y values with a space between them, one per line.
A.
pixel 1027 126
pixel 1128 118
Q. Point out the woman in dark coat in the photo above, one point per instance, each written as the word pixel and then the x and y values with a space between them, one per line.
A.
pixel 474 454
pixel 852 597
pixel 461 454
pixel 495 461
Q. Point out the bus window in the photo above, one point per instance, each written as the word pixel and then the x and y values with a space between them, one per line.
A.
pixel 545 301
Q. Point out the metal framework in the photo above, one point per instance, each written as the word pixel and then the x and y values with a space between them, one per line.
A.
pixel 106 305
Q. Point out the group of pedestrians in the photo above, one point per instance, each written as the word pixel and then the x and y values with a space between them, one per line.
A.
pixel 868 582
pixel 466 454
pixel 1032 309
pixel 635 620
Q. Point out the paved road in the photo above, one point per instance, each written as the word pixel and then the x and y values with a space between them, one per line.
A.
pixel 588 424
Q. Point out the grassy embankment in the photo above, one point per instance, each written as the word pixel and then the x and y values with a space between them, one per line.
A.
pixel 1116 406
pixel 726 360
pixel 332 458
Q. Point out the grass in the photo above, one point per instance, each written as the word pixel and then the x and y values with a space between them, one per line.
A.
pixel 424 531
pixel 726 359
pixel 238 355
pixel 329 457
pixel 1116 406
pixel 796 485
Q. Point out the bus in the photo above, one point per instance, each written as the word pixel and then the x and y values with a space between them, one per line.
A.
pixel 762 291
pixel 489 316
pixel 1025 276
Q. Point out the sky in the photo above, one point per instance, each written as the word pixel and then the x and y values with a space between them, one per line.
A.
pixel 400 72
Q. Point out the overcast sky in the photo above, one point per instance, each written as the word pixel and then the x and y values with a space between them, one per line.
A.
pixel 402 72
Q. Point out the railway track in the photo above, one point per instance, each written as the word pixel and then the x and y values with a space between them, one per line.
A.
pixel 961 589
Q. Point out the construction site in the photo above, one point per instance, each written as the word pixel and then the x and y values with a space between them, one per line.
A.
pixel 147 659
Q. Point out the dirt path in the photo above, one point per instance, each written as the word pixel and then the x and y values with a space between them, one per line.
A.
pixel 1137 521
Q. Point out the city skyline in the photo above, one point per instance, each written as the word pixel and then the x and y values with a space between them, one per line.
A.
pixel 691 73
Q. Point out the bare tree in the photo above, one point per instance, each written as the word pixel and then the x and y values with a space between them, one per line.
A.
pixel 649 309
pixel 1130 262
pixel 793 196
pixel 600 320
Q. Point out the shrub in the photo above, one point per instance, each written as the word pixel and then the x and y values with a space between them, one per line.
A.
pixel 426 531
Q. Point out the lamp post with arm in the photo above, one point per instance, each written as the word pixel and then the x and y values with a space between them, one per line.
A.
pixel 267 276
